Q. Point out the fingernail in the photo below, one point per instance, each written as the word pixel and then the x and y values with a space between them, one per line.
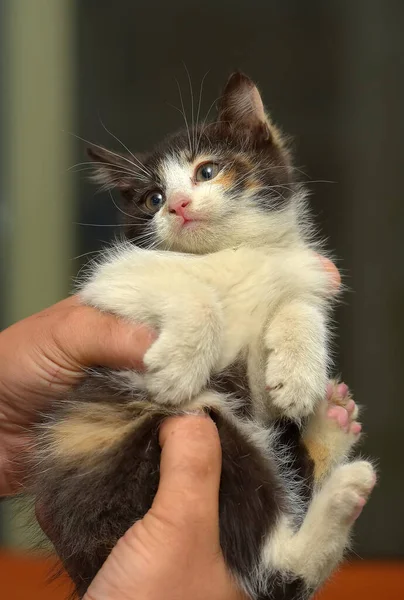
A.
pixel 197 413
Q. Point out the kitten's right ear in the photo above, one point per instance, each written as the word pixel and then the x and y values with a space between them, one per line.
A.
pixel 241 108
pixel 111 170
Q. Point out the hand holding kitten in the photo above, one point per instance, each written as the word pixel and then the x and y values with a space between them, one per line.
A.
pixel 44 355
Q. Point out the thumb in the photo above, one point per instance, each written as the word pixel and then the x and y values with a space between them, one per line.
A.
pixel 188 493
pixel 332 271
pixel 90 337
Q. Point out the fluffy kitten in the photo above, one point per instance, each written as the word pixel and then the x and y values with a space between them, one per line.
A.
pixel 240 302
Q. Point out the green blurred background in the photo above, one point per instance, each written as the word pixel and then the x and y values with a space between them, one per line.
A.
pixel 331 74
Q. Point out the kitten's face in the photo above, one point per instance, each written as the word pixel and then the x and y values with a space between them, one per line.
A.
pixel 220 185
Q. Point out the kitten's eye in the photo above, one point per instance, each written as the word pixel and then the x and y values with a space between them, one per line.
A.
pixel 206 172
pixel 154 201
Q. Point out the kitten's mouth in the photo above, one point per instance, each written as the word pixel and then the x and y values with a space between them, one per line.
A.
pixel 189 223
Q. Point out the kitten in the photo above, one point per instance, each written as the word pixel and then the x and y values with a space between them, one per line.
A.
pixel 240 301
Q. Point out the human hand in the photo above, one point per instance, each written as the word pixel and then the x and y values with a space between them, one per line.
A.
pixel 332 271
pixel 174 551
pixel 44 355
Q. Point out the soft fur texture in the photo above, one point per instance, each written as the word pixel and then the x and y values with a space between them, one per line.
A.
pixel 240 301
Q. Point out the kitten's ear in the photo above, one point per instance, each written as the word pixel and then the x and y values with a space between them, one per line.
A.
pixel 241 108
pixel 111 170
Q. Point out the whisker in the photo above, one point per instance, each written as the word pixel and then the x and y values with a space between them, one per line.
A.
pixel 310 181
pixel 140 164
pixel 91 163
pixel 204 121
pixel 192 108
pixel 117 207
pixel 185 116
pixel 138 207
pixel 120 156
pixel 87 254
pixel 200 96
pixel 140 222
pixel 89 166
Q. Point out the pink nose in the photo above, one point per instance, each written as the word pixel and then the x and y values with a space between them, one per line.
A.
pixel 177 204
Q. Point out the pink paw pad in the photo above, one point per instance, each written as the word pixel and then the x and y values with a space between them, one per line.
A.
pixel 350 407
pixel 355 428
pixel 362 501
pixel 339 414
pixel 359 507
pixel 342 409
pixel 342 390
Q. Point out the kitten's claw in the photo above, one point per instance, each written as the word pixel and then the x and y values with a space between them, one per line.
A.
pixel 293 392
pixel 296 368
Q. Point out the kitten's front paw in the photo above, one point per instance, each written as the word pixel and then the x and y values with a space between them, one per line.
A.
pixel 296 370
pixel 175 372
pixel 294 386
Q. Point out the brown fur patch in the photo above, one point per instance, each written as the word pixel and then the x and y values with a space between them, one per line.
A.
pixel 226 178
pixel 320 455
pixel 90 430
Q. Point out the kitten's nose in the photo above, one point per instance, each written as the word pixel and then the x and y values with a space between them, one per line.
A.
pixel 177 204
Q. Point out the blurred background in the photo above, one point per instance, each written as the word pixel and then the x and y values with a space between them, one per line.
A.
pixel 332 75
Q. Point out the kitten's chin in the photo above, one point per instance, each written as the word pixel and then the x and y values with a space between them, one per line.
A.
pixel 193 238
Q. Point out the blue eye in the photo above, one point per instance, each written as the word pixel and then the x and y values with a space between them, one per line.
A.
pixel 207 171
pixel 154 201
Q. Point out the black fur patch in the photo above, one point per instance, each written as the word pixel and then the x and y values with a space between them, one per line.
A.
pixel 86 510
pixel 251 498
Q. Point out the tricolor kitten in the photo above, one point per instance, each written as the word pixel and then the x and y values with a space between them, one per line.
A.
pixel 240 301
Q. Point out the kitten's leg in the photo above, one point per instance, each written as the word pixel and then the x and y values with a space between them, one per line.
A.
pixel 332 431
pixel 184 355
pixel 315 550
pixel 157 290
pixel 296 370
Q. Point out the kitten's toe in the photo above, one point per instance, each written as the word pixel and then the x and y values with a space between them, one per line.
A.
pixel 295 396
pixel 349 488
pixel 342 409
pixel 290 401
pixel 172 376
pixel 294 385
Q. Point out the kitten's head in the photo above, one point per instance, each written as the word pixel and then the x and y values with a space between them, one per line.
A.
pixel 214 186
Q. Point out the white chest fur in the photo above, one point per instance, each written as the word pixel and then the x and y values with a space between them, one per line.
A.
pixel 208 309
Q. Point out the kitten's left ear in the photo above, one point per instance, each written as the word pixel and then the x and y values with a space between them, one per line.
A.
pixel 241 108
pixel 111 169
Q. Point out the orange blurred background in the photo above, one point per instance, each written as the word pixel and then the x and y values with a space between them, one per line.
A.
pixel 24 578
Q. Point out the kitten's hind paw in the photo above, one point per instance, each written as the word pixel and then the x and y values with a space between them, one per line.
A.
pixel 343 409
pixel 332 431
pixel 348 490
